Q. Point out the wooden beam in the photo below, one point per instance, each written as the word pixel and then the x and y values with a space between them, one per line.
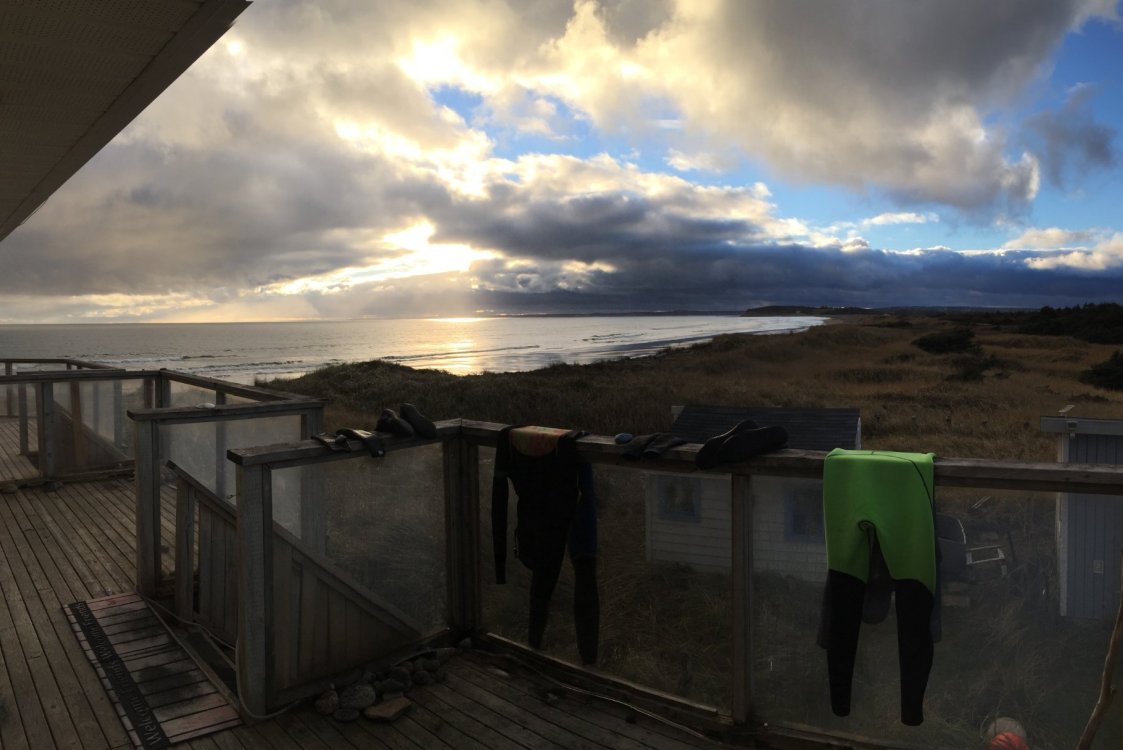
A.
pixel 185 551
pixel 147 447
pixel 255 589
pixel 45 406
pixel 462 522
pixel 189 414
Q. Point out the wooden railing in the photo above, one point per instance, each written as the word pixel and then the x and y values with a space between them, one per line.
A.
pixel 259 613
pixel 71 435
pixel 153 446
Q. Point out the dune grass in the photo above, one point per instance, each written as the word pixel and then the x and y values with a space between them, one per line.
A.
pixel 983 404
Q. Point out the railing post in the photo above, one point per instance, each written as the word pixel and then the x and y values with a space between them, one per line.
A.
pixel 462 533
pixel 311 423
pixel 24 448
pixel 118 415
pixel 11 405
pixel 185 550
pixel 742 523
pixel 45 407
pixel 220 449
pixel 147 446
pixel 255 588
pixel 163 392
pixel 80 456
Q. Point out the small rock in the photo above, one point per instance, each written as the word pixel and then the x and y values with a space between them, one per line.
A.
pixel 399 674
pixel 465 645
pixel 407 666
pixel 498 672
pixel 440 675
pixel 444 654
pixel 390 685
pixel 551 699
pixel 388 710
pixel 422 677
pixel 357 696
pixel 345 714
pixel 429 665
pixel 328 703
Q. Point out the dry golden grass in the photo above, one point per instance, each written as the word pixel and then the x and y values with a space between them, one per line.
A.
pixel 909 399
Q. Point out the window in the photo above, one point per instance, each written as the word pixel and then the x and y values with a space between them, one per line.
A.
pixel 679 499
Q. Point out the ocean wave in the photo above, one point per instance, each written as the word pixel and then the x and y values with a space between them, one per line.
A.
pixel 454 354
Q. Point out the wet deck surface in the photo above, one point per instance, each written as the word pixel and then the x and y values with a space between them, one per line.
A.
pixel 77 543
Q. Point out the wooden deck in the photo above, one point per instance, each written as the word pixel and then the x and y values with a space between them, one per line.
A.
pixel 77 543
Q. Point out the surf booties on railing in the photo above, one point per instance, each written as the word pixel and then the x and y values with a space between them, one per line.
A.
pixel 411 423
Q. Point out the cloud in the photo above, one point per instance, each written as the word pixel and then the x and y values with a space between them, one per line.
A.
pixel 1050 238
pixel 875 106
pixel 282 176
pixel 1107 254
pixel 900 218
pixel 1069 139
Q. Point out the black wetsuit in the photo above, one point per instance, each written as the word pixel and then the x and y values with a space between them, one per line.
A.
pixel 556 509
pixel 878 515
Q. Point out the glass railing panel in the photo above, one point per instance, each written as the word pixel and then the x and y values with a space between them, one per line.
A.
pixel 183 394
pixel 663 576
pixel 249 433
pixel 380 523
pixel 1028 591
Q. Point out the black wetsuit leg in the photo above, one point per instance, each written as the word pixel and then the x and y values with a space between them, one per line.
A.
pixel 914 647
pixel 549 553
pixel 843 619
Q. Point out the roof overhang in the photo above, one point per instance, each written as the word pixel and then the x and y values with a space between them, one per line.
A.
pixel 74 73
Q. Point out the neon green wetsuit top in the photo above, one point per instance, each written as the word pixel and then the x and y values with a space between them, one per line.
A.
pixel 884 498
pixel 890 492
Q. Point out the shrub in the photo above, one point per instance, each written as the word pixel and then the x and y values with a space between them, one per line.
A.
pixel 1108 374
pixel 956 341
pixel 971 367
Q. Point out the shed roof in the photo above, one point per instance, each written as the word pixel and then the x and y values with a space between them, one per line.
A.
pixel 74 73
pixel 808 429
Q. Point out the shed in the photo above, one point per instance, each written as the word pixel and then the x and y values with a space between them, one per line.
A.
pixel 689 515
pixel 1089 527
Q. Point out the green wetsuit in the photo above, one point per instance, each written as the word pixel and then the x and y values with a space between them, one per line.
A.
pixel 879 502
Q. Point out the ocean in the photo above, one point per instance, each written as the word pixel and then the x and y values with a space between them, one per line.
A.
pixel 241 352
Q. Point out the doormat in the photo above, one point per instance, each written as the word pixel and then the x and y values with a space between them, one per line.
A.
pixel 161 695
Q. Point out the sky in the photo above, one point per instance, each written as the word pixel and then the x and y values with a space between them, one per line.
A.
pixel 345 158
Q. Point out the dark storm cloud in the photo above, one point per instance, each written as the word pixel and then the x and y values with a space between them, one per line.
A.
pixel 1069 140
pixel 616 227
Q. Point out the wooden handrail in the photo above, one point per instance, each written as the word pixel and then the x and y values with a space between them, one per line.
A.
pixel 1098 479
pixel 57 361
pixel 222 412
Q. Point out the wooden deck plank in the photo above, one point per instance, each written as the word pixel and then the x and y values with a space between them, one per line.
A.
pixel 73 548
pixel 86 700
pixel 37 584
pixel 504 687
pixel 508 727
pixel 430 701
pixel 518 714
pixel 52 674
pixel 651 733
